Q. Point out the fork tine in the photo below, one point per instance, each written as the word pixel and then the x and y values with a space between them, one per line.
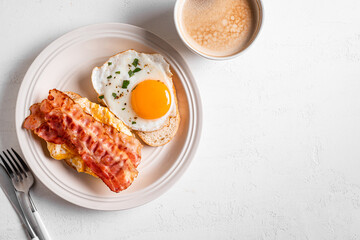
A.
pixel 13 167
pixel 8 169
pixel 20 160
pixel 16 163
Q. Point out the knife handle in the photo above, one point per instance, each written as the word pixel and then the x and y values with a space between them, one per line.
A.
pixel 24 206
pixel 41 225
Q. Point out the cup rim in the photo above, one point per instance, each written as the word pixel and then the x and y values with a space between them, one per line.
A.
pixel 251 42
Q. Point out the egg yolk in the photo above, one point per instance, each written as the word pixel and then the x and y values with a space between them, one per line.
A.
pixel 150 99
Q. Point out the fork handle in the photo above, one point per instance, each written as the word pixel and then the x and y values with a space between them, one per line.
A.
pixel 41 225
pixel 23 202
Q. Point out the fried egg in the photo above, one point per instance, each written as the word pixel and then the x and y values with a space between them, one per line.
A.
pixel 137 88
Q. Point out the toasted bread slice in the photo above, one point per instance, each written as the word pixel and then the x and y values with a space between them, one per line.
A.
pixel 162 136
pixel 72 95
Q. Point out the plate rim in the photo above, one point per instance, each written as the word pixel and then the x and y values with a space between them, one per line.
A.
pixel 188 79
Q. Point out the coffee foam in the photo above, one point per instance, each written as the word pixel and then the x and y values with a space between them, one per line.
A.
pixel 217 27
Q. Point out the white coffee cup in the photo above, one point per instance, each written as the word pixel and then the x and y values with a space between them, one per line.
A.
pixel 257 10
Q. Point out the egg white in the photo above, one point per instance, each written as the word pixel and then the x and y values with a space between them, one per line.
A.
pixel 106 82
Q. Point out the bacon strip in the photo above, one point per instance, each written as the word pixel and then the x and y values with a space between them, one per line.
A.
pixel 59 119
pixel 36 117
pixel 127 143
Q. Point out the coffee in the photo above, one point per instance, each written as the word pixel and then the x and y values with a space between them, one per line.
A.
pixel 218 27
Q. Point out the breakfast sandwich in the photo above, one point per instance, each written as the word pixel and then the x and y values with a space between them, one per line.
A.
pixel 138 89
pixel 88 137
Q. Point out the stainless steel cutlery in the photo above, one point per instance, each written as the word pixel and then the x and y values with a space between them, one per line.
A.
pixel 22 180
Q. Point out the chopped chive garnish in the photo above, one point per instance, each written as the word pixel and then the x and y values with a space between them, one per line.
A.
pixel 135 62
pixel 109 77
pixel 123 109
pixel 109 63
pixel 101 96
pixel 125 83
pixel 133 122
pixel 118 72
pixel 136 70
pixel 114 95
pixel 131 73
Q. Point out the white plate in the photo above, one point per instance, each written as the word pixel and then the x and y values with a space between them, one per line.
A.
pixel 66 64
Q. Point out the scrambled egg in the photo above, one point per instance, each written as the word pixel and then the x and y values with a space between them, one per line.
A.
pixel 100 113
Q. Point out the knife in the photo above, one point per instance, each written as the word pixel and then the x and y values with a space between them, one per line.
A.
pixel 9 191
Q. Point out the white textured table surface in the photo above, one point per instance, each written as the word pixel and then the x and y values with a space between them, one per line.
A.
pixel 279 157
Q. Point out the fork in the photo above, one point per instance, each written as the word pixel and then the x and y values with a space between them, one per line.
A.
pixel 23 180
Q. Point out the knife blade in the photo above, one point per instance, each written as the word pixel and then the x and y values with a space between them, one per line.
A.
pixel 9 190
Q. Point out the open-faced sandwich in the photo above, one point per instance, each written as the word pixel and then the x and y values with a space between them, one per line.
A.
pixel 100 148
pixel 138 91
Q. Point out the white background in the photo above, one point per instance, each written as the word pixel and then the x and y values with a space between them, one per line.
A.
pixel 279 156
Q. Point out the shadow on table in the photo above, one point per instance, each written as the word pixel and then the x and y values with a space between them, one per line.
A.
pixel 162 24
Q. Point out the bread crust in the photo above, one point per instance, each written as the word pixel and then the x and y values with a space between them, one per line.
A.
pixel 164 135
pixel 72 95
